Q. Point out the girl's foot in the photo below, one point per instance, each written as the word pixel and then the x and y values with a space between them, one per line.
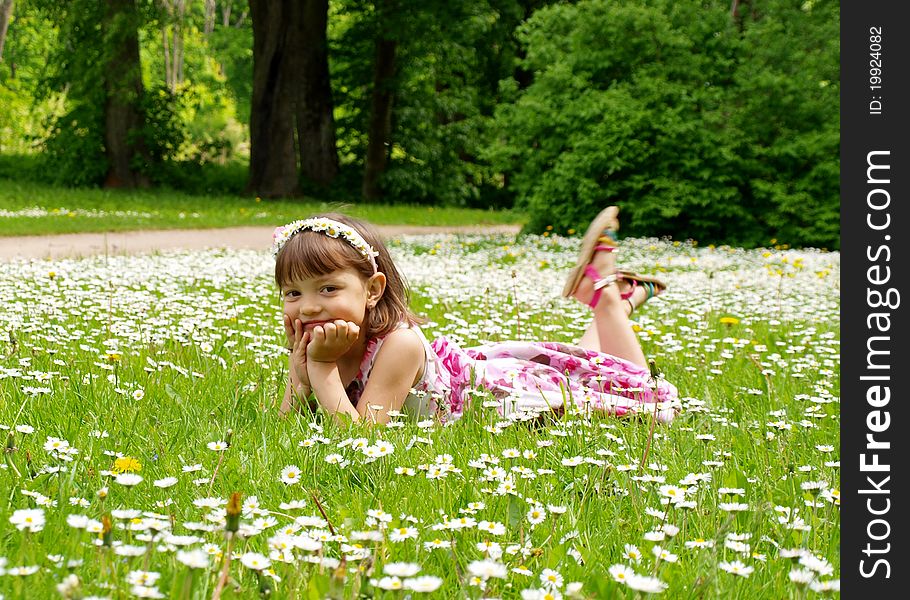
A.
pixel 599 239
pixel 600 274
pixel 637 289
pixel 633 297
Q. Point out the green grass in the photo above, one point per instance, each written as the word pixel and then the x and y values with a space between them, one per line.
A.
pixel 65 210
pixel 167 353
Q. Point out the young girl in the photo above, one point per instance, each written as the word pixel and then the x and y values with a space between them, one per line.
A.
pixel 356 346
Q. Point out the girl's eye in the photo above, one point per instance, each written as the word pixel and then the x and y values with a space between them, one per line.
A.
pixel 291 294
pixel 329 288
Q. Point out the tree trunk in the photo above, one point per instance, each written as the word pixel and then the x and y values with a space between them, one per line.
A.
pixel 123 120
pixel 177 68
pixel 166 47
pixel 273 161
pixel 241 19
pixel 6 11
pixel 380 128
pixel 315 122
pixel 209 25
pixel 173 43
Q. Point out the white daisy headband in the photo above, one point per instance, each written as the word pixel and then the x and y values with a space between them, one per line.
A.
pixel 329 227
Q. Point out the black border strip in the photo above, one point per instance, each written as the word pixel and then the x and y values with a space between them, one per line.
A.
pixel 873 276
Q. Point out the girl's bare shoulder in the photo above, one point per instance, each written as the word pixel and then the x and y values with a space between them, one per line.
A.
pixel 406 339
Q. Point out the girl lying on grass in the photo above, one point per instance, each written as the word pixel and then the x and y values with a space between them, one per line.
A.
pixel 357 347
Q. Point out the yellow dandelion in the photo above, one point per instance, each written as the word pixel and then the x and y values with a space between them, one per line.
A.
pixel 729 321
pixel 126 464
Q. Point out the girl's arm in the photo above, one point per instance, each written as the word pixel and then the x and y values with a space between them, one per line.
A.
pixel 296 390
pixel 328 343
pixel 298 382
pixel 398 363
pixel 330 392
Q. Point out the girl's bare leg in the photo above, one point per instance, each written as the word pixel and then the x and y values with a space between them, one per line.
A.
pixel 590 339
pixel 610 331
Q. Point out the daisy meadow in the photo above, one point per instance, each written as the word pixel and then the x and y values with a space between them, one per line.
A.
pixel 177 466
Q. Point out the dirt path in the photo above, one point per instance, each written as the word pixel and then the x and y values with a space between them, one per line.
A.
pixel 136 242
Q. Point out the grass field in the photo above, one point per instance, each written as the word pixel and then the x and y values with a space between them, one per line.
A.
pixel 138 394
pixel 35 209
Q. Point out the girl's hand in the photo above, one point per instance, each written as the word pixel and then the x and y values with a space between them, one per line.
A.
pixel 299 340
pixel 331 341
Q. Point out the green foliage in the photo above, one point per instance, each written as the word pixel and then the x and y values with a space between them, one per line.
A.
pixel 687 123
pixel 62 75
pixel 74 143
pixel 25 59
pixel 74 149
pixel 690 119
pixel 228 50
pixel 216 88
pixel 449 60
pixel 162 130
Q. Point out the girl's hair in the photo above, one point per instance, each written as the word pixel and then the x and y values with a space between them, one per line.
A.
pixel 311 254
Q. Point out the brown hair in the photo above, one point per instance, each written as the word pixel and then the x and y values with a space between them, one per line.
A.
pixel 311 254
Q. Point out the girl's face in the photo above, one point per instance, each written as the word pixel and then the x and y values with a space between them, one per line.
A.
pixel 341 294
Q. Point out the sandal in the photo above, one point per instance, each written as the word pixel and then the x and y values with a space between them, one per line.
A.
pixel 653 286
pixel 600 236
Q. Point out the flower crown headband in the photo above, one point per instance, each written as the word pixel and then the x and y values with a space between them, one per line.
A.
pixel 329 227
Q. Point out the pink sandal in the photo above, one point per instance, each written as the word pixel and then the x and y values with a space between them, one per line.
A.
pixel 653 286
pixel 600 237
pixel 600 282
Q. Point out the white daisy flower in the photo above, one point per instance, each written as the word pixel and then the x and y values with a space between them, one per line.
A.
pixel 290 475
pixel 736 568
pixel 424 584
pixel 485 569
pixel 28 519
pixel 255 561
pixel 401 569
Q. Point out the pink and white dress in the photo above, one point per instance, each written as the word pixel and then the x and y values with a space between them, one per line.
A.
pixel 529 377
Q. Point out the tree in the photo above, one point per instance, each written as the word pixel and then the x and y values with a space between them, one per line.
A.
pixel 103 128
pixel 314 107
pixel 699 123
pixel 381 99
pixel 273 160
pixel 123 118
pixel 172 41
pixel 6 12
pixel 291 92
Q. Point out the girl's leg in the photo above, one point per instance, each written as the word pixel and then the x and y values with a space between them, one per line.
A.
pixel 610 331
pixel 590 340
